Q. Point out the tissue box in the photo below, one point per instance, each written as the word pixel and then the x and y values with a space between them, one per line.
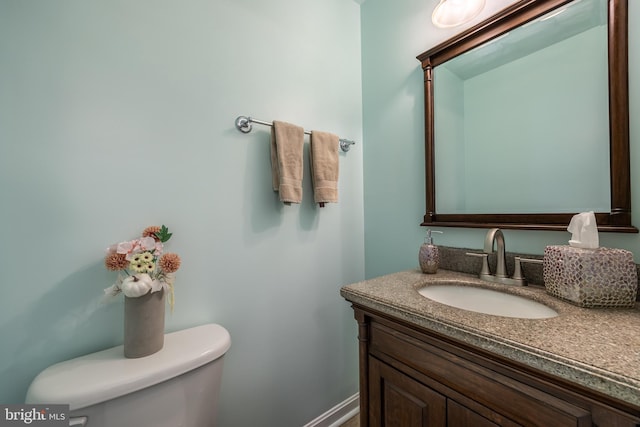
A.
pixel 600 277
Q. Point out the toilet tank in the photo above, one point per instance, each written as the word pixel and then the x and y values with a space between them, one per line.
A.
pixel 175 387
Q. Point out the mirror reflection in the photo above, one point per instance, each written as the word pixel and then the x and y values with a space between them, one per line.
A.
pixel 524 113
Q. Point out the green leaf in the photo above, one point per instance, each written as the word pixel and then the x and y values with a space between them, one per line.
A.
pixel 163 234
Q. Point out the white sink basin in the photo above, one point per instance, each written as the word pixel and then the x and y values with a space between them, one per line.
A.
pixel 487 301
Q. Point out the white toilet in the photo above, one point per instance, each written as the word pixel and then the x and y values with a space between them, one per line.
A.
pixel 175 387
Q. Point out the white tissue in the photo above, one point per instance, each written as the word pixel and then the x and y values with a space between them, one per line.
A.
pixel 584 231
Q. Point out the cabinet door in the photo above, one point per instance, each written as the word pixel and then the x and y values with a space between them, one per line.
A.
pixel 460 416
pixel 397 400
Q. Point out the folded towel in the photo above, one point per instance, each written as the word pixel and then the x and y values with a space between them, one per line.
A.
pixel 286 161
pixel 323 156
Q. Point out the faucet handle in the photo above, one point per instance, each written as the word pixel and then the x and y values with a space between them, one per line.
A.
pixel 484 271
pixel 531 260
pixel 517 270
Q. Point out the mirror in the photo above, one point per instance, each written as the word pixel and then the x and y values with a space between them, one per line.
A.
pixel 533 98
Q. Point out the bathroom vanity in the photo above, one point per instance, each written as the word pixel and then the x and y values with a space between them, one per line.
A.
pixel 423 363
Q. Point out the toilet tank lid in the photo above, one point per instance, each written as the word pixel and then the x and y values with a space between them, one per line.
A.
pixel 107 374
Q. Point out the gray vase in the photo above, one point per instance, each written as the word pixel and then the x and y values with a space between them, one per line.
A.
pixel 143 324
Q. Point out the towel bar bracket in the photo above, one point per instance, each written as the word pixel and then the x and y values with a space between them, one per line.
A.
pixel 244 125
pixel 345 144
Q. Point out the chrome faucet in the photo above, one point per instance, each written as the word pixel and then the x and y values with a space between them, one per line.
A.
pixel 495 236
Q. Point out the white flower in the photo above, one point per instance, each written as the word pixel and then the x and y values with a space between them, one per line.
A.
pixel 137 285
pixel 159 285
pixel 112 291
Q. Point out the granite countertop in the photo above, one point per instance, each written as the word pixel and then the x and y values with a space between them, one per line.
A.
pixel 597 348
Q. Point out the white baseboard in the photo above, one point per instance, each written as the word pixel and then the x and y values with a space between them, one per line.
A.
pixel 339 414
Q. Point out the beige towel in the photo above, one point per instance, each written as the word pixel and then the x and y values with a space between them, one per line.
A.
pixel 323 156
pixel 286 161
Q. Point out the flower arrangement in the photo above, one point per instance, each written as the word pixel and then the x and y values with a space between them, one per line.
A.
pixel 142 265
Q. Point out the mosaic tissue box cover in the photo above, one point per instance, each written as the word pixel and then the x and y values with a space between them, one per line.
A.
pixel 600 277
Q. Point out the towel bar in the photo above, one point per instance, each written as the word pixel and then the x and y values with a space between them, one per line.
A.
pixel 244 125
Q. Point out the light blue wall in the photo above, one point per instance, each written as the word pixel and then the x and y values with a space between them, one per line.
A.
pixel 393 34
pixel 115 115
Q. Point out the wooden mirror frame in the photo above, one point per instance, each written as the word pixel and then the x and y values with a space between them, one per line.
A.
pixel 619 219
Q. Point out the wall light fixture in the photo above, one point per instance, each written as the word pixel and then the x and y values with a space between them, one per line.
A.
pixel 451 13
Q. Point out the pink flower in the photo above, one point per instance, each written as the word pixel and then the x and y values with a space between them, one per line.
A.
pixel 147 243
pixel 125 247
pixel 158 249
pixel 132 247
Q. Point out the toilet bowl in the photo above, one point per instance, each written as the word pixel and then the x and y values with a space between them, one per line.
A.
pixel 177 386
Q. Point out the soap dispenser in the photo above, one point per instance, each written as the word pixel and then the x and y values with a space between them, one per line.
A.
pixel 428 256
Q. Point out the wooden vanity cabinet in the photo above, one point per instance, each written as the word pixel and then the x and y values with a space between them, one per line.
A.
pixel 397 400
pixel 411 376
